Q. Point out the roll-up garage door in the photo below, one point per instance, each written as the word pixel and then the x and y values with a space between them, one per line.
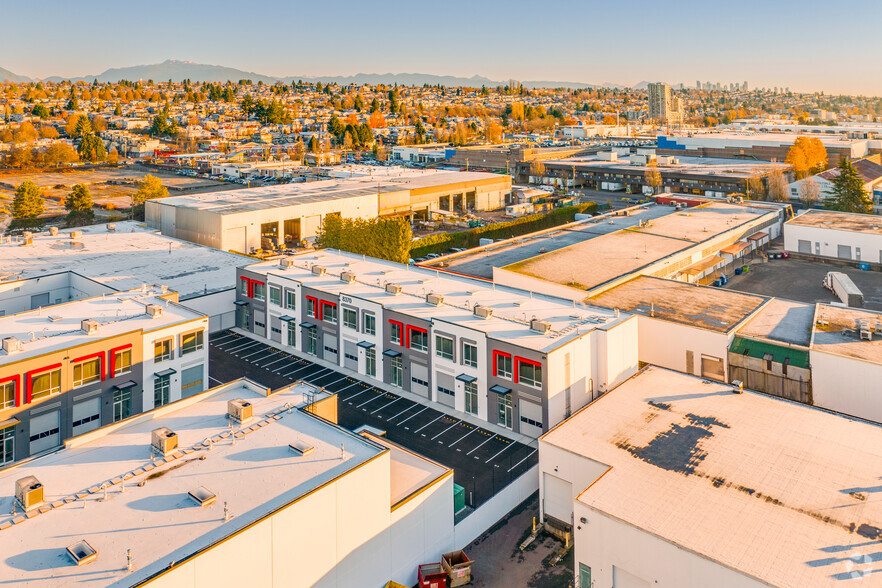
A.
pixel 712 368
pixel 419 379
pixel 45 432
pixel 804 246
pixel 350 355
pixel 530 415
pixel 191 381
pixel 86 416
pixel 557 498
pixel 843 251
pixel 234 239
pixel 330 352
pixel 446 386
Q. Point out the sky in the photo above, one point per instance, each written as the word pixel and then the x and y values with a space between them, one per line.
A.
pixel 805 45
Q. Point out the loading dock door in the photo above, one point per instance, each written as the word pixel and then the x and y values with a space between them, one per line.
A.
pixel 557 498
pixel 350 355
pixel 530 416
pixel 330 351
pixel 843 251
pixel 804 246
pixel 446 389
pixel 86 416
pixel 234 239
pixel 45 431
pixel 712 368
pixel 419 379
pixel 40 300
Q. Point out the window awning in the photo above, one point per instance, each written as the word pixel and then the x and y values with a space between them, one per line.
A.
pixel 287 319
pixel 466 378
pixel 307 325
pixel 757 236
pixel 392 353
pixel 9 423
pixel 500 389
pixel 366 344
pixel 165 373
pixel 130 383
pixel 241 303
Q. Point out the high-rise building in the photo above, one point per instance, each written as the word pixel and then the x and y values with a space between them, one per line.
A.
pixel 744 86
pixel 698 84
pixel 663 108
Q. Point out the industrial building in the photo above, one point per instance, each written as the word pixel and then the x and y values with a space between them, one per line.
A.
pixel 121 256
pixel 869 171
pixel 284 215
pixel 237 485
pixel 69 368
pixel 673 480
pixel 507 157
pixel 758 146
pixel 835 235
pixel 509 357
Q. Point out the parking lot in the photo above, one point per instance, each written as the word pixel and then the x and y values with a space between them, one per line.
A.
pixel 483 462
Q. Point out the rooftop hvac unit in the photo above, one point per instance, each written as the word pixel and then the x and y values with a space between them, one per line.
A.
pixel 435 299
pixel 89 326
pixel 286 263
pixel 154 310
pixel 82 553
pixel 76 234
pixel 319 270
pixel 348 277
pixel 28 241
pixel 164 440
pixel 11 344
pixel 540 326
pixel 394 289
pixel 29 492
pixel 484 312
pixel 240 410
pixel 111 227
pixel 27 235
pixel 53 231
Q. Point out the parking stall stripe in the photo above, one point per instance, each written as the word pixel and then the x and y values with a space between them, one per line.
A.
pixel 335 381
pixel 263 349
pixel 215 379
pixel 429 423
pixel 266 366
pixel 216 340
pixel 380 395
pixel 234 343
pixel 287 373
pixel 411 416
pixel 522 461
pixel 390 404
pixel 340 391
pixel 500 451
pixel 463 437
pixel 240 347
pixel 349 399
pixel 490 438
pixel 445 430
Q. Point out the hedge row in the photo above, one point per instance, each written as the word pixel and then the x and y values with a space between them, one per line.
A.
pixel 385 238
pixel 443 242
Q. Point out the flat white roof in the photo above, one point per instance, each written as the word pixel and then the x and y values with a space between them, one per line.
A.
pixel 158 521
pixel 512 309
pixel 686 166
pixel 838 221
pixel 758 138
pixel 58 327
pixel 124 259
pixel 780 491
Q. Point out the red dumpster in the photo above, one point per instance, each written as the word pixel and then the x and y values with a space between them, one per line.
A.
pixel 432 576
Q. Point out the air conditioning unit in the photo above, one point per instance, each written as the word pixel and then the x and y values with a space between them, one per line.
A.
pixel 483 311
pixel 11 344
pixel 540 326
pixel 154 310
pixel 28 241
pixel 240 410
pixel 286 263
pixel 435 299
pixel 29 492
pixel 164 440
pixel 319 270
pixel 89 326
pixel 348 277
pixel 394 289
pixel 76 234
pixel 111 227
pixel 27 235
pixel 53 231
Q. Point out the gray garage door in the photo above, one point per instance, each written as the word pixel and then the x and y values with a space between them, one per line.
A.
pixel 446 386
pixel 191 381
pixel 419 379
pixel 40 300
pixel 86 416
pixel 330 347
pixel 804 246
pixel 350 355
pixel 557 498
pixel 530 415
pixel 45 432
pixel 843 251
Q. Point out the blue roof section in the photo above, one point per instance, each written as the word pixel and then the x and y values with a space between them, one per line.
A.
pixel 664 142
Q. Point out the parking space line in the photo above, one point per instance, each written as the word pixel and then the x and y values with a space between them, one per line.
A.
pixel 349 400
pixel 235 343
pixel 380 395
pixel 411 416
pixel 315 376
pixel 463 437
pixel 296 369
pixel 412 405
pixel 335 381
pixel 390 404
pixel 445 430
pixel 266 366
pixel 216 340
pixel 490 438
pixel 522 461
pixel 215 379
pixel 500 451
pixel 340 391
pixel 298 361
pixel 429 423
pixel 232 350
pixel 262 349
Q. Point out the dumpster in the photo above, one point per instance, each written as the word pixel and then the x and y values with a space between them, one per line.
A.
pixel 458 498
pixel 431 576
pixel 745 269
pixel 458 567
pixel 738 271
pixel 864 266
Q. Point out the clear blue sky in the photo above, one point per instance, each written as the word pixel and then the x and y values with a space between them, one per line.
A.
pixel 806 45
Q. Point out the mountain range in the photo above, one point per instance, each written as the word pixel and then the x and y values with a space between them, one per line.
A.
pixel 178 71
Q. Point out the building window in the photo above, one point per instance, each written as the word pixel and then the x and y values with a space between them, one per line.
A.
pixel 395 333
pixel 503 365
pixel 370 362
pixel 370 324
pixel 45 384
pixel 161 389
pixel 191 342
pixel 329 312
pixel 292 334
pixel 310 307
pixel 419 340
pixel 470 355
pixel 122 404
pixel 259 291
pixel 86 372
pixel 471 397
pixel 275 295
pixel 444 347
pixel 162 350
pixel 7 445
pixel 122 362
pixel 447 391
pixel 7 395
pixel 311 341
pixel 243 286
pixel 350 318
pixel 504 410
pixel 530 374
pixel 396 372
pixel 290 299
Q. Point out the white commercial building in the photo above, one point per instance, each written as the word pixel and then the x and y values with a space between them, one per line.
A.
pixel 838 235
pixel 236 486
pixel 869 171
pixel 673 481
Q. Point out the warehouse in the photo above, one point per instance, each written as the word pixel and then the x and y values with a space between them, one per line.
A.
pixel 835 235
pixel 673 480
pixel 767 147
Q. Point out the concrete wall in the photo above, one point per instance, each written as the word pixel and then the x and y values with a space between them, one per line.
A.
pixel 61 287
pixel 578 470
pixel 825 242
pixel 666 344
pixel 846 385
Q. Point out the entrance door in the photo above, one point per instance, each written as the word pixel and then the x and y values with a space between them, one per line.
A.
pixel 45 431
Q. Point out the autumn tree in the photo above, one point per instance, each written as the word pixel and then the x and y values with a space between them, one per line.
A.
pixel 753 187
pixel 807 155
pixel 848 193
pixel 25 133
pixel 60 154
pixel 79 206
pixel 493 132
pixel 776 186
pixel 537 169
pixel 48 132
pixel 27 205
pixel 314 144
pixel 77 126
pixel 149 188
pixel 810 192
pixel 653 176
pixel 99 123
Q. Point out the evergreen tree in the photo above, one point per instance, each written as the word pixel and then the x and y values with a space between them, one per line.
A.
pixel 79 206
pixel 91 148
pixel 27 205
pixel 848 193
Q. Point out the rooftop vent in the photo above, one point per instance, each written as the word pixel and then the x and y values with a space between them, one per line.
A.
pixel 739 386
pixel 394 289
pixel 53 231
pixel 164 440
pixel 435 299
pixel 81 552
pixel 348 277
pixel 484 312
pixel 540 326
pixel 54 318
pixel 27 235
pixel 27 241
pixel 111 227
pixel 29 492
pixel 89 326
pixel 319 270
pixel 154 310
pixel 301 447
pixel 202 496
pixel 76 234
pixel 286 263
pixel 240 410
pixel 11 344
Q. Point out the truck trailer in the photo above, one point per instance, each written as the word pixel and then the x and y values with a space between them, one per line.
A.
pixel 844 289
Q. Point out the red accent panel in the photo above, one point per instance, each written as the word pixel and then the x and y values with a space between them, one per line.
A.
pixel 29 376
pixel 17 379
pixel 407 334
pixel 111 358
pixel 99 355
pixel 316 307
pixel 520 360
pixel 498 354
pixel 321 308
pixel 400 330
